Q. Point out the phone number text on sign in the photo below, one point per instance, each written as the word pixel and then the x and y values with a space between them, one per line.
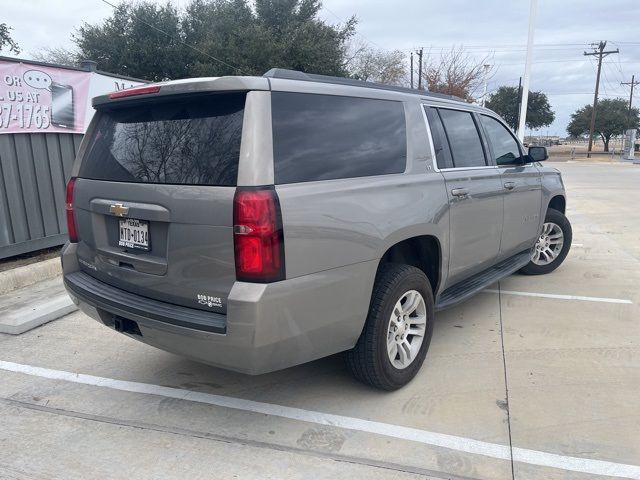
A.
pixel 41 98
pixel 25 109
pixel 27 115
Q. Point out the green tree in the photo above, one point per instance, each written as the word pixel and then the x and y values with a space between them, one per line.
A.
pixel 274 33
pixel 612 118
pixel 505 103
pixel 141 40
pixel 215 37
pixel 6 40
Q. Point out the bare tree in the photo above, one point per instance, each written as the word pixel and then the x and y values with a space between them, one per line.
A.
pixel 57 55
pixel 380 66
pixel 6 40
pixel 455 72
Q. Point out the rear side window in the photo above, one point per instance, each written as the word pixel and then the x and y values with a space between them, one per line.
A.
pixel 464 138
pixel 189 141
pixel 504 146
pixel 322 137
pixel 443 155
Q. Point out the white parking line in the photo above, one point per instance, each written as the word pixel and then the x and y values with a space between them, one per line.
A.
pixel 468 445
pixel 561 297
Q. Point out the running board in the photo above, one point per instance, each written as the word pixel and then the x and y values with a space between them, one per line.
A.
pixel 469 287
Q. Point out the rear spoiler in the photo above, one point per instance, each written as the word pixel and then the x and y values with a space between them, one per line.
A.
pixel 180 87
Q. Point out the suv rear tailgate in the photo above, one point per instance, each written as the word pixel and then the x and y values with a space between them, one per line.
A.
pixel 154 198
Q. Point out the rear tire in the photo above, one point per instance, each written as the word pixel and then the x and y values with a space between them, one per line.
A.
pixel 552 245
pixel 398 329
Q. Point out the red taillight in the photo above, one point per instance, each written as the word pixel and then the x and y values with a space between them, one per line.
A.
pixel 71 220
pixel 127 92
pixel 257 233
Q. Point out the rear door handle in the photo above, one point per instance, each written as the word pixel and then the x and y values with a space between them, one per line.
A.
pixel 509 185
pixel 460 192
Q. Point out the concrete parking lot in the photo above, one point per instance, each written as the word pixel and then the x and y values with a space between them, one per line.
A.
pixel 537 378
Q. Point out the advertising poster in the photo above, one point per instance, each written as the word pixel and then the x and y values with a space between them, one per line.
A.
pixel 39 99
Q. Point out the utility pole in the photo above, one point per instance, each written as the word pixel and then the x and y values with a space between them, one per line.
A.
pixel 527 69
pixel 600 52
pixel 486 74
pixel 412 70
pixel 632 83
pixel 419 52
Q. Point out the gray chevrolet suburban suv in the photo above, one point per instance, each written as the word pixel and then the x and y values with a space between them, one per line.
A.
pixel 255 223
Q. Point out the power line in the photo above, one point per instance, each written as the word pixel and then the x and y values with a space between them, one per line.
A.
pixel 357 33
pixel 582 93
pixel 632 84
pixel 516 46
pixel 183 42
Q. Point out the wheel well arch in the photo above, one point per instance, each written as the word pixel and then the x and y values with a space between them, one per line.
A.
pixel 558 203
pixel 422 252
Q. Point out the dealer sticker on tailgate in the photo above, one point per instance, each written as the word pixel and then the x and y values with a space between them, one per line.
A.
pixel 134 234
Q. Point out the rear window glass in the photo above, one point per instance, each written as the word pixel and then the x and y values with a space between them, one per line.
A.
pixel 322 137
pixel 191 141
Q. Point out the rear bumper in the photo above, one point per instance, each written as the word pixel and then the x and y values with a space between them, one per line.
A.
pixel 128 305
pixel 267 327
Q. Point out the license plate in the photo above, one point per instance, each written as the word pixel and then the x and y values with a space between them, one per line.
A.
pixel 134 234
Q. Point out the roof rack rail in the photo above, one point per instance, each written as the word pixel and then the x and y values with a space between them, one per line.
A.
pixel 313 77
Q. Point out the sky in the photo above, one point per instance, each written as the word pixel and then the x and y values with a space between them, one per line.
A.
pixel 496 29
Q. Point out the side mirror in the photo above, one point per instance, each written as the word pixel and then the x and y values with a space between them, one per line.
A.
pixel 538 154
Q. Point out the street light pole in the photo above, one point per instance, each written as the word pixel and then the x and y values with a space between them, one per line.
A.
pixel 486 74
pixel 412 70
pixel 527 69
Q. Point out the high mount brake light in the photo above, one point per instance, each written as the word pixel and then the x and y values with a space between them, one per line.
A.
pixel 71 219
pixel 128 92
pixel 258 236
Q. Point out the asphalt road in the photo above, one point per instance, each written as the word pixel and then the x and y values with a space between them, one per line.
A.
pixel 537 379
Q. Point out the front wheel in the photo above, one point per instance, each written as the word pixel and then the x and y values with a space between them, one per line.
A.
pixel 397 333
pixel 552 246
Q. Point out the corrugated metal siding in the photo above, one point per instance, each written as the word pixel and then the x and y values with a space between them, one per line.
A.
pixel 34 169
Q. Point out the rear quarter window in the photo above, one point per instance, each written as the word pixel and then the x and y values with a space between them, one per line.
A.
pixel 323 137
pixel 183 140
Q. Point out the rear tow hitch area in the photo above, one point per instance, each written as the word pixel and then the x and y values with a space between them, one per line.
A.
pixel 124 325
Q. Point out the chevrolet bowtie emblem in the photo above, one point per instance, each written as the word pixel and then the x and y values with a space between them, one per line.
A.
pixel 119 209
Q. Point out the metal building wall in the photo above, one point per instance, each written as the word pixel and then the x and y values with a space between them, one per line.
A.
pixel 34 169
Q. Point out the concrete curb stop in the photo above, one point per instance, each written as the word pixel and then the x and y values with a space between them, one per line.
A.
pixel 31 316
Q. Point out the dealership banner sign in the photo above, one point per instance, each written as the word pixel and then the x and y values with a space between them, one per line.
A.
pixel 42 99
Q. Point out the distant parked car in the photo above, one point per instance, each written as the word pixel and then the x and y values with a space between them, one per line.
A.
pixel 256 223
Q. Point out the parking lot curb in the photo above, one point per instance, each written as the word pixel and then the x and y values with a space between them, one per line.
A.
pixel 29 274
